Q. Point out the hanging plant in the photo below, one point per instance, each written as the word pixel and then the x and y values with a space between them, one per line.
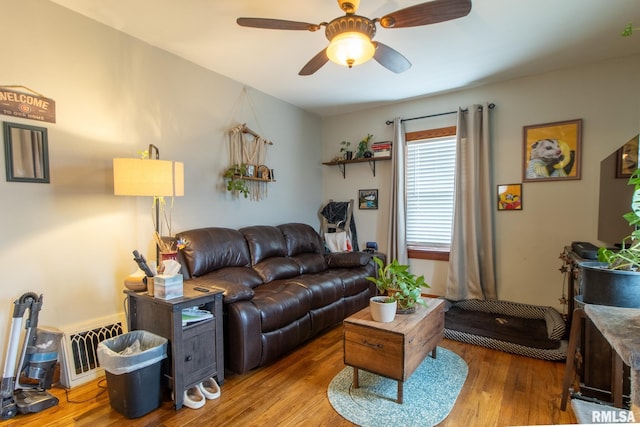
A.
pixel 236 184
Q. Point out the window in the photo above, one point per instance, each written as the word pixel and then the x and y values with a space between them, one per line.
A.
pixel 431 158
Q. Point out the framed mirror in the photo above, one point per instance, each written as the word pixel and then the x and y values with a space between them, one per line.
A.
pixel 26 153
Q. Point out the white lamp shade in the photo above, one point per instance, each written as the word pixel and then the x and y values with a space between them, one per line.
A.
pixel 145 177
pixel 350 48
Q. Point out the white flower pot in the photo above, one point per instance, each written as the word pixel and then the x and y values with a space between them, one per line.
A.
pixel 382 311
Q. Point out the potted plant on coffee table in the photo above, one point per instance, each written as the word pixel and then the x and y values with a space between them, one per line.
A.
pixel 400 285
pixel 615 279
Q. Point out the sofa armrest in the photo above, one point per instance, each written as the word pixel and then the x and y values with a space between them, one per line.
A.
pixel 232 291
pixel 347 259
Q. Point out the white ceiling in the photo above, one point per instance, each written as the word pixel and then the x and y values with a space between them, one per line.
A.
pixel 498 40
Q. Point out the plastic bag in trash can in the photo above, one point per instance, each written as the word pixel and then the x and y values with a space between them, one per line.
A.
pixel 131 351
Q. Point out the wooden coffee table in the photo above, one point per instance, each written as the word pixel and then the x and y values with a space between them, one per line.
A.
pixel 393 350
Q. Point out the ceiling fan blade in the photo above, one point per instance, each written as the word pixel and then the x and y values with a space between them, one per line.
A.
pixel 390 58
pixel 427 13
pixel 315 63
pixel 276 24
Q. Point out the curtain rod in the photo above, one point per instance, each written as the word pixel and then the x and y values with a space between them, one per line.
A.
pixel 491 107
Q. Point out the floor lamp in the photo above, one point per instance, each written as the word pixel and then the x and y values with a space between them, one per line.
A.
pixel 149 177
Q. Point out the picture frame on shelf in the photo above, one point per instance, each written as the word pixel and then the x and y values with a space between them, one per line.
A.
pixel 552 151
pixel 510 197
pixel 263 172
pixel 368 199
pixel 627 158
pixel 251 171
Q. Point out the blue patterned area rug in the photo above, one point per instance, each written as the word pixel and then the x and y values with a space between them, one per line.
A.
pixel 429 394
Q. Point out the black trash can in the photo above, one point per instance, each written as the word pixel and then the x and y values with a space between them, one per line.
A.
pixel 132 363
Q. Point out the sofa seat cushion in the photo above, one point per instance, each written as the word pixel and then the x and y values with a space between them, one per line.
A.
pixel 325 289
pixel 280 303
pixel 246 276
pixel 310 263
pixel 276 268
pixel 209 249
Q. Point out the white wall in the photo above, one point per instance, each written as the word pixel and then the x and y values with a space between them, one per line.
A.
pixel 71 240
pixel 528 242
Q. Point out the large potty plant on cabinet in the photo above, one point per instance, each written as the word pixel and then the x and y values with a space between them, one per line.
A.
pixel 628 257
pixel 400 285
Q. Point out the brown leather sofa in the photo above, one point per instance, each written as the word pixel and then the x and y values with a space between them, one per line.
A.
pixel 280 288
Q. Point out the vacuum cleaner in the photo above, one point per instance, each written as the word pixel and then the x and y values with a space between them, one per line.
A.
pixel 24 390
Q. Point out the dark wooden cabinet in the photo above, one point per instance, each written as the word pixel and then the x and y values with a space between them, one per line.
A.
pixel 594 354
pixel 195 352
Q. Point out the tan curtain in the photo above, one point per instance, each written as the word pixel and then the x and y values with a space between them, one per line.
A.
pixel 471 261
pixel 397 234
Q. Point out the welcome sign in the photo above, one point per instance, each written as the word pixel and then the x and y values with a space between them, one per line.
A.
pixel 27 106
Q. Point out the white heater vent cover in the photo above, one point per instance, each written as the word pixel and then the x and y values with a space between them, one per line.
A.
pixel 79 362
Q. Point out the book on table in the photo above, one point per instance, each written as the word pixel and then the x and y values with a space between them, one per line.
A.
pixel 193 314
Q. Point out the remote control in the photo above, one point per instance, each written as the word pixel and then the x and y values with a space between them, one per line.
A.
pixel 198 288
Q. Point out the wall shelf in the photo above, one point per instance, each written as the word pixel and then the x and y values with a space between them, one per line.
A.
pixel 343 163
pixel 251 178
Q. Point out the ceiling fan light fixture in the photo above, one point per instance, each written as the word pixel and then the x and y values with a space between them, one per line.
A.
pixel 350 48
pixel 350 40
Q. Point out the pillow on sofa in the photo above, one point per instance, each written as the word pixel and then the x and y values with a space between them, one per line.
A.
pixel 277 268
pixel 347 259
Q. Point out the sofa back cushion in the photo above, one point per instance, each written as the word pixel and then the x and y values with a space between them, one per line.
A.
pixel 264 242
pixel 210 249
pixel 301 238
pixel 269 253
pixel 304 246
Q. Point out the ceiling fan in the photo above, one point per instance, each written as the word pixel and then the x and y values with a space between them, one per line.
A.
pixel 350 36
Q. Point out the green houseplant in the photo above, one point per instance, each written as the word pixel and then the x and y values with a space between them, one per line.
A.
pixel 236 184
pixel 400 285
pixel 363 146
pixel 628 257
pixel 346 153
pixel 614 279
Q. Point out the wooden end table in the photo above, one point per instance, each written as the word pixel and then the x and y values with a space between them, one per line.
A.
pixel 395 349
pixel 195 352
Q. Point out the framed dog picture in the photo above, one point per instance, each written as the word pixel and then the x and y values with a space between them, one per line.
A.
pixel 552 151
pixel 510 197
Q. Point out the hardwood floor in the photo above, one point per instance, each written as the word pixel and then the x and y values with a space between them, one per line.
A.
pixel 501 390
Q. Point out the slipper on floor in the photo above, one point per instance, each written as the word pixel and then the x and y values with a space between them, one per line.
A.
pixel 193 398
pixel 210 388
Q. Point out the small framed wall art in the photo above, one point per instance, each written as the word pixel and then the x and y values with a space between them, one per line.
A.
pixel 368 199
pixel 627 161
pixel 26 153
pixel 510 197
pixel 552 151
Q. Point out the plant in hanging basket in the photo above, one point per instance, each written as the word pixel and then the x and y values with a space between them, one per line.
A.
pixel 628 256
pixel 236 184
pixel 615 279
pixel 399 284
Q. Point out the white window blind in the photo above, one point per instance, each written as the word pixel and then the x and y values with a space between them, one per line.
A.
pixel 430 192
